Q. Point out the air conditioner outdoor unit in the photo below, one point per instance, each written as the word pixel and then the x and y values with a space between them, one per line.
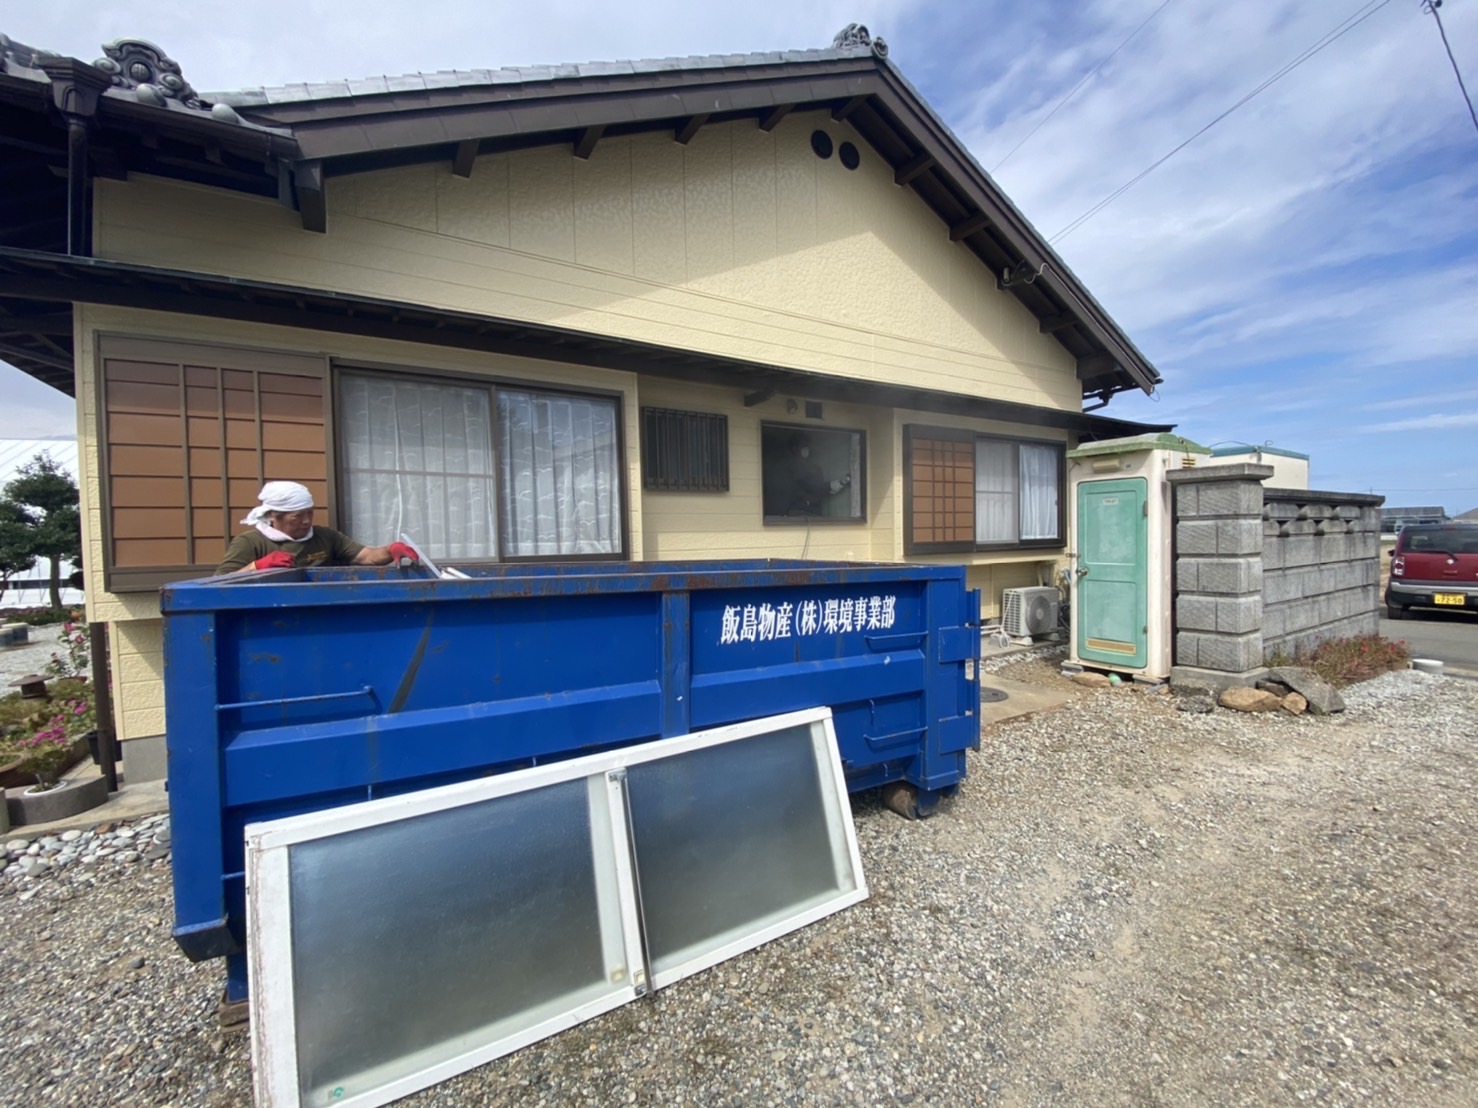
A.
pixel 1030 611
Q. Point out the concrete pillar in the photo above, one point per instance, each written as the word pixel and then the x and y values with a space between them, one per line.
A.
pixel 1217 552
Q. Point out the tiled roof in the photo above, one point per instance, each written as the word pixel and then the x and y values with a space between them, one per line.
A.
pixel 517 75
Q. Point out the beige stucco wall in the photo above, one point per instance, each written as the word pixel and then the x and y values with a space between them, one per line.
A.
pixel 729 525
pixel 136 636
pixel 742 243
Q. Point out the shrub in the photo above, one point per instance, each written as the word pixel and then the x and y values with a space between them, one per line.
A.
pixel 36 617
pixel 41 733
pixel 1345 661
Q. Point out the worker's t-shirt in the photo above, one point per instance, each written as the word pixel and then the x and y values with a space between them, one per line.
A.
pixel 325 547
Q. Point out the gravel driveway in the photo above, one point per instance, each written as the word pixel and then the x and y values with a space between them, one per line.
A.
pixel 1127 904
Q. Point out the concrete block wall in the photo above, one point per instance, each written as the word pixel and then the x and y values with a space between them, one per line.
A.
pixel 1321 568
pixel 1218 606
pixel 1261 572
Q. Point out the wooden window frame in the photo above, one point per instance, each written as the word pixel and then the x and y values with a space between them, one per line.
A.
pixel 340 367
pixel 696 455
pixel 187 355
pixel 912 433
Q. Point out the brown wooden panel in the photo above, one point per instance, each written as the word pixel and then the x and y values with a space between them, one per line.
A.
pixel 202 401
pixel 943 491
pixel 239 379
pixel 147 492
pixel 200 376
pixel 204 431
pixel 293 436
pixel 146 461
pixel 243 463
pixel 286 406
pixel 131 428
pixel 209 552
pixel 149 552
pixel 205 461
pixel 148 523
pixel 285 465
pixel 208 523
pixel 154 373
pixel 130 396
pixel 298 386
pixel 242 434
pixel 240 403
pixel 243 493
pixel 206 492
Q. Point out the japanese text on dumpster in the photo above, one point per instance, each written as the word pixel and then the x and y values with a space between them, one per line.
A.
pixel 768 622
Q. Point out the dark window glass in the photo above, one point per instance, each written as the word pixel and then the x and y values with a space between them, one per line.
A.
pixel 812 472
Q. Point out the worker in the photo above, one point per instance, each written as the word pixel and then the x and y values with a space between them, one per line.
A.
pixel 283 536
pixel 801 487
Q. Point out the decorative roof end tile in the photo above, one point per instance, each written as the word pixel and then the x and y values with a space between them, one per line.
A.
pixel 144 69
pixel 854 36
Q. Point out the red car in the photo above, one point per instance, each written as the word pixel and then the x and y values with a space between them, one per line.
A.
pixel 1434 565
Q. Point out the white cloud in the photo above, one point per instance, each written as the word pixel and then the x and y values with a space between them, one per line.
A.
pixel 1429 423
pixel 1314 252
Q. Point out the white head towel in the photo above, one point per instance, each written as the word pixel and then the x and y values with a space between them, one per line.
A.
pixel 279 496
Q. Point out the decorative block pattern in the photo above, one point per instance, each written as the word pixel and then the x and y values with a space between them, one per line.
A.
pixel 1252 578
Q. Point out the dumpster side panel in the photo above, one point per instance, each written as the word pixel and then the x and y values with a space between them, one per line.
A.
pixel 303 690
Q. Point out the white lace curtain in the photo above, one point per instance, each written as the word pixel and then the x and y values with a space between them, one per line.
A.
pixel 1039 481
pixel 419 459
pixel 1015 491
pixel 561 475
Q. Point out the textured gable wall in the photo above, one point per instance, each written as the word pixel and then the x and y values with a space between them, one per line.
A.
pixel 742 243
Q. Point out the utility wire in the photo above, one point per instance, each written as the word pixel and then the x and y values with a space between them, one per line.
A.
pixel 1349 24
pixel 1073 91
pixel 1432 6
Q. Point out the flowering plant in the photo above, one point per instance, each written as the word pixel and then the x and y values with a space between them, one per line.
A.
pixel 51 748
pixel 78 658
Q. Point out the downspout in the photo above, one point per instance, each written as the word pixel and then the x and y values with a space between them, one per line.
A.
pixel 76 89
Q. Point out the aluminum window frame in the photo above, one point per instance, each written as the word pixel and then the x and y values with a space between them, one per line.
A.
pixel 270 918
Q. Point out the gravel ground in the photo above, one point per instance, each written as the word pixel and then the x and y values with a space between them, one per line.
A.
pixel 1126 904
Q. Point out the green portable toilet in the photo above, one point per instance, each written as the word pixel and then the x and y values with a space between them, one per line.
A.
pixel 1119 529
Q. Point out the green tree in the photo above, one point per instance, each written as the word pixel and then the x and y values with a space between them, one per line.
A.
pixel 16 555
pixel 46 494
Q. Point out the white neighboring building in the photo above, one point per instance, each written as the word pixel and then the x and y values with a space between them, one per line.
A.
pixel 1290 469
pixel 15 453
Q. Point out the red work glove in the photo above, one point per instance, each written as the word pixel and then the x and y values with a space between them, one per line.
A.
pixel 399 551
pixel 278 559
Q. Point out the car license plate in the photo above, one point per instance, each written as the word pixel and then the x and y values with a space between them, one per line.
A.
pixel 1448 598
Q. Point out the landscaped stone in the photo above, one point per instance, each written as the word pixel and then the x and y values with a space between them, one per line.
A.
pixel 1323 698
pixel 1092 680
pixel 1295 704
pixel 1242 698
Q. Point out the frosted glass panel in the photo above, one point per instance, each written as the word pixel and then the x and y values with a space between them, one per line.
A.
pixel 415 941
pixel 730 840
pixel 397 942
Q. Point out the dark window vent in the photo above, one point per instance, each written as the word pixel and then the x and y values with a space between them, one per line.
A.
pixel 684 451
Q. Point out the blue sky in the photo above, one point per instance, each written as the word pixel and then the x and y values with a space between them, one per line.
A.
pixel 1305 273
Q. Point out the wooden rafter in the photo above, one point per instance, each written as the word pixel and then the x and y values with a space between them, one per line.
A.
pixel 968 226
pixel 464 158
pixel 918 164
pixel 690 127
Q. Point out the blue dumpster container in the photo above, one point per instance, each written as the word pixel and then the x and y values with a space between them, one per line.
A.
pixel 304 689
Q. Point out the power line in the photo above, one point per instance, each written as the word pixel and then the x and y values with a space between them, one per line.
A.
pixel 1086 77
pixel 1344 28
pixel 1432 6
